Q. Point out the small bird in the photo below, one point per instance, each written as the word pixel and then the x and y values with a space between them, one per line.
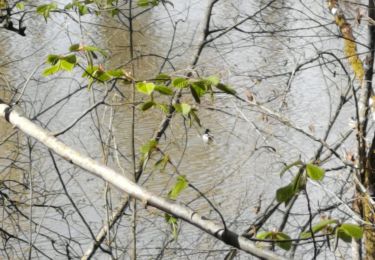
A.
pixel 207 137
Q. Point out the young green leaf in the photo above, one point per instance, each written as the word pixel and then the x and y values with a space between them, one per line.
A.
pixel 162 163
pixel 180 83
pixel 149 147
pixel 115 73
pixel 146 3
pixel 142 3
pixel 163 90
pixel 89 71
pixel 279 238
pixel 286 245
pixel 183 108
pixel 173 223
pixel 195 117
pixel 162 78
pixel 145 88
pixel 70 58
pixel 45 9
pixel 65 65
pixel 264 235
pixel 212 80
pixel 20 6
pixel 115 12
pixel 51 70
pixel 82 10
pixel 74 47
pixel 315 172
pixel 94 49
pixel 195 94
pixel 181 184
pixel 343 235
pixel 53 59
pixel 101 75
pixel 226 89
pixel 352 230
pixel 285 193
pixel 299 182
pixel 318 227
pixel 200 86
pixel 68 6
pixel 288 167
pixel 163 107
pixel 147 105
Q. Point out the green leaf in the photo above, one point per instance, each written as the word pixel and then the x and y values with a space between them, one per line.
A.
pixel 226 89
pixel 352 230
pixel 145 88
pixel 20 6
pixel 195 94
pixel 142 3
pixel 51 70
pixel 115 12
pixel 66 65
pixel 200 86
pixel 173 223
pixel 299 182
pixel 115 73
pixel 162 77
pixel 285 193
pixel 83 10
pixel 96 72
pixel 288 167
pixel 91 82
pixel 149 147
pixel 163 107
pixel 278 237
pixel 70 58
pixel 146 3
pixel 164 90
pixel 195 117
pixel 102 75
pixel 68 62
pixel 315 172
pixel 89 71
pixel 343 235
pixel 45 9
pixel 53 59
pixel 180 83
pixel 94 49
pixel 74 47
pixel 68 6
pixel 183 108
pixel 264 235
pixel 212 80
pixel 147 105
pixel 181 184
pixel 286 245
pixel 318 227
pixel 155 2
pixel 162 163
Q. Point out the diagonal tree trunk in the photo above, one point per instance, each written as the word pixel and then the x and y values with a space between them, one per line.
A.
pixel 126 185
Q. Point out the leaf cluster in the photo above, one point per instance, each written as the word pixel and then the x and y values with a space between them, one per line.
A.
pixel 298 183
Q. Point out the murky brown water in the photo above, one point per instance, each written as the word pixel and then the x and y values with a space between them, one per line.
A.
pixel 233 171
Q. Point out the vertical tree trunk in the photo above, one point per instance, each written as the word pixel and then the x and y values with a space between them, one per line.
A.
pixel 369 171
pixel 368 207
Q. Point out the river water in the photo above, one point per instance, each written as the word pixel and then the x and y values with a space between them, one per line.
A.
pixel 249 150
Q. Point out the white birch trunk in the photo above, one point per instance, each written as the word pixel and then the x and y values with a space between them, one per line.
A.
pixel 124 184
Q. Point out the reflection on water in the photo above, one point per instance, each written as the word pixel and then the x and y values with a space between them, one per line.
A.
pixel 232 172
